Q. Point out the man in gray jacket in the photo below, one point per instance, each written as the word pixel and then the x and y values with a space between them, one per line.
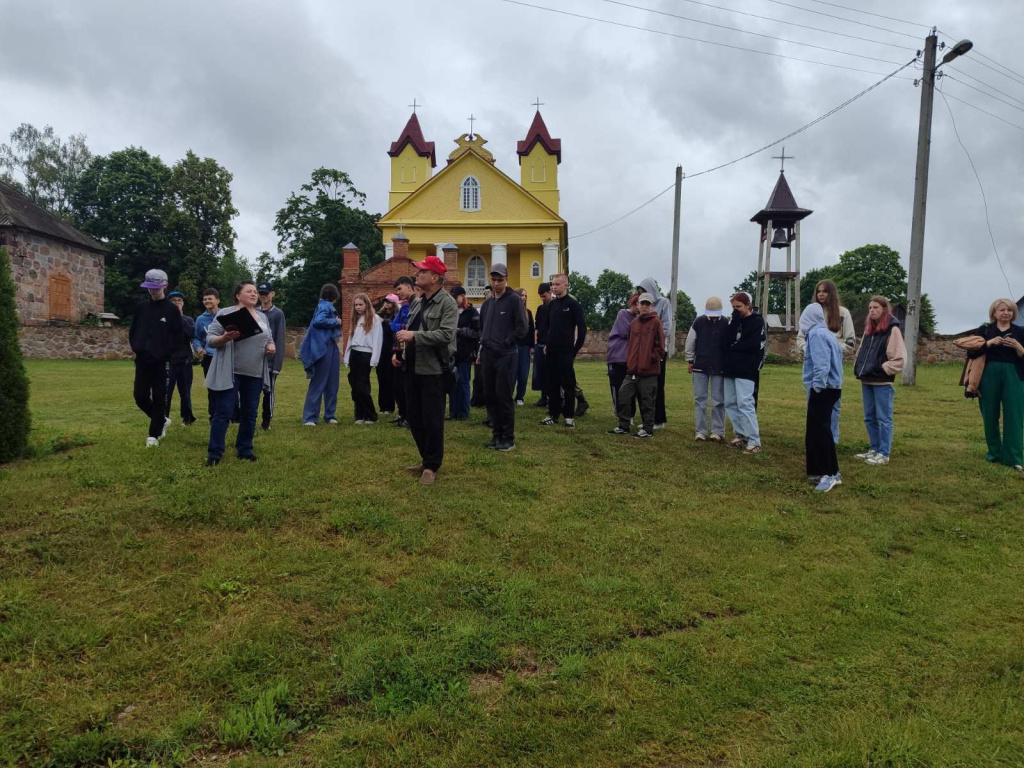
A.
pixel 275 318
pixel 429 343
pixel 668 324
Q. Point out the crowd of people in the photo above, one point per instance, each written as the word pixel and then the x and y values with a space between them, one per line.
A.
pixel 429 347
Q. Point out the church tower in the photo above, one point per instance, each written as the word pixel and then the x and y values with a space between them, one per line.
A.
pixel 412 162
pixel 539 156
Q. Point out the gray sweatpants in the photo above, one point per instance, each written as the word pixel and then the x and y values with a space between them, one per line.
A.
pixel 701 383
pixel 645 389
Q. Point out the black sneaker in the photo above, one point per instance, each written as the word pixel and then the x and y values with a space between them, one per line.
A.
pixel 581 408
pixel 548 422
pixel 248 457
pixel 491 444
pixel 643 433
pixel 265 426
pixel 618 431
pixel 211 462
pixel 487 423
pixel 542 403
pixel 506 446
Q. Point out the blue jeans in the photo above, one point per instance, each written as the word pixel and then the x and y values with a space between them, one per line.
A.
pixel 246 394
pixel 323 385
pixel 702 382
pixel 522 371
pixel 878 405
pixel 739 406
pixel 458 402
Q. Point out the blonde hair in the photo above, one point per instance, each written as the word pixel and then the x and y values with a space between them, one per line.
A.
pixel 368 314
pixel 995 305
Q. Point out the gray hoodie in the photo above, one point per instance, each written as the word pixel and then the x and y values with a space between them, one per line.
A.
pixel 662 306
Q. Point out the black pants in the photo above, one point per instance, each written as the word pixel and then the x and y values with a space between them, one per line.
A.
pixel 660 416
pixel 478 398
pixel 424 402
pixel 179 375
pixel 269 397
pixel 151 393
pixel 561 381
pixel 385 384
pixel 821 448
pixel 398 377
pixel 206 362
pixel 359 382
pixel 499 371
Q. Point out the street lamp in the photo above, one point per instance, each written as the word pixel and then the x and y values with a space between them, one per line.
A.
pixel 957 51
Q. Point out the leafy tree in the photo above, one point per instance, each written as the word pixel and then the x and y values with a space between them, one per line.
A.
pixel 613 292
pixel 312 229
pixel 776 298
pixel 583 290
pixel 233 270
pixel 686 313
pixel 15 419
pixel 49 166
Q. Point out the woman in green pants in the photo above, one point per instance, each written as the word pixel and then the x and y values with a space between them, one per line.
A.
pixel 1002 384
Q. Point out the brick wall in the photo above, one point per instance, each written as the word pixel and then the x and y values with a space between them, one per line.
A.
pixel 34 258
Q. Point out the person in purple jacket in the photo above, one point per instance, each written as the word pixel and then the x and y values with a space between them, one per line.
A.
pixel 616 359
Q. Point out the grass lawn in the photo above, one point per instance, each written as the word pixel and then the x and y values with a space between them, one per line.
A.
pixel 583 601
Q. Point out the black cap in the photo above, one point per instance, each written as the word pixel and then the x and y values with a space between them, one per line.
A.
pixel 264 287
pixel 457 290
pixel 543 288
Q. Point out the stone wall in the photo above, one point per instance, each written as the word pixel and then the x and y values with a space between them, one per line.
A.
pixel 35 258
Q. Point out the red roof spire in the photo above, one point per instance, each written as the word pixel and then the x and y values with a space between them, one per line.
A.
pixel 413 134
pixel 539 132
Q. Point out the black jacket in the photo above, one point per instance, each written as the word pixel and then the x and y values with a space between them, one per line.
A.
pixel 873 353
pixel 467 335
pixel 708 355
pixel 566 326
pixel 743 346
pixel 542 324
pixel 156 331
pixel 527 339
pixel 183 352
pixel 502 323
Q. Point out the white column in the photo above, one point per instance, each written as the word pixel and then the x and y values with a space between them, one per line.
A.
pixel 439 250
pixel 389 250
pixel 499 254
pixel 550 260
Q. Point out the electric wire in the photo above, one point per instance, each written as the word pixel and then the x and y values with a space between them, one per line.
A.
pixel 788 136
pixel 869 13
pixel 747 32
pixel 687 37
pixel 843 18
pixel 975 53
pixel 981 186
pixel 973 88
pixel 984 83
pixel 980 63
pixel 985 111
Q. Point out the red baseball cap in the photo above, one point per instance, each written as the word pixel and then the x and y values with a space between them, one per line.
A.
pixel 432 263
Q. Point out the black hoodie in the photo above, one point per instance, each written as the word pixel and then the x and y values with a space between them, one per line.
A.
pixel 743 346
pixel 156 331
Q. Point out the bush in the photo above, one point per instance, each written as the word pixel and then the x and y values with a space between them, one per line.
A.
pixel 14 416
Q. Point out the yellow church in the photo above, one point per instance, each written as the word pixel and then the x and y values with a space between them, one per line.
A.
pixel 472 209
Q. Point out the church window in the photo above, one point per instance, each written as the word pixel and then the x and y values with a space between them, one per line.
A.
pixel 535 269
pixel 538 172
pixel 476 277
pixel 470 194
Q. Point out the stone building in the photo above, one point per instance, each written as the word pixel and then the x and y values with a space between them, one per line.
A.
pixel 58 271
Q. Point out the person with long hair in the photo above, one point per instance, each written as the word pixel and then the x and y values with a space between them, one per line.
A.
pixel 743 347
pixel 823 379
pixel 362 353
pixel 238 375
pixel 840 322
pixel 881 356
pixel 1002 384
pixel 320 358
pixel 385 379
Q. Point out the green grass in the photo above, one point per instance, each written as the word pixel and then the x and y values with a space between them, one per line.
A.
pixel 582 601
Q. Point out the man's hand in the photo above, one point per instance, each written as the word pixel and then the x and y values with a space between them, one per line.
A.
pixel 689 367
pixel 395 362
pixel 405 336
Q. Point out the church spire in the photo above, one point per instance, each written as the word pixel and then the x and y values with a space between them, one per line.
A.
pixel 412 135
pixel 539 133
pixel 539 156
pixel 412 161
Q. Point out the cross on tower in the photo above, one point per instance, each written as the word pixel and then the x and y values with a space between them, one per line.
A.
pixel 471 121
pixel 414 105
pixel 783 157
pixel 538 103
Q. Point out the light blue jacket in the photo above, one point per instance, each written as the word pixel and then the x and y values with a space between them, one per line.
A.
pixel 823 358
pixel 324 329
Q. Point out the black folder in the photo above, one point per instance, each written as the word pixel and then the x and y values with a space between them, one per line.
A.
pixel 240 320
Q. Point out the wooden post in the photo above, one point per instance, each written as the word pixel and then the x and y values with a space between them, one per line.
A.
pixel 796 240
pixel 789 287
pixel 767 272
pixel 760 269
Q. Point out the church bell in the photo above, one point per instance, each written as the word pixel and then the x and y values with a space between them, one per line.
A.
pixel 780 239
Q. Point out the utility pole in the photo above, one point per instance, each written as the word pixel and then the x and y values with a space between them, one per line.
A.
pixel 924 145
pixel 674 292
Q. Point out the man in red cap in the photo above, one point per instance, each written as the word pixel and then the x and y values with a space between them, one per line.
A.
pixel 429 341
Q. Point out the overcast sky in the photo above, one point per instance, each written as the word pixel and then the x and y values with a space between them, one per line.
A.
pixel 273 90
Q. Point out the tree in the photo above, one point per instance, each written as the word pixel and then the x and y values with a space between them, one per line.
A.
pixel 583 290
pixel 312 229
pixel 613 291
pixel 776 298
pixel 15 419
pixel 232 270
pixel 49 166
pixel 686 313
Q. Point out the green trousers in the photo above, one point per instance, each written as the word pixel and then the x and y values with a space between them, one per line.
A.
pixel 1002 389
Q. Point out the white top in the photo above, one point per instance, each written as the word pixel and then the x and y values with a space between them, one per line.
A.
pixel 371 342
pixel 846 335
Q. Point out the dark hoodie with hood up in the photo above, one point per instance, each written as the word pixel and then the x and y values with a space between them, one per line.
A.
pixel 743 346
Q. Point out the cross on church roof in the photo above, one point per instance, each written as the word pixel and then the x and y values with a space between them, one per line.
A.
pixel 538 103
pixel 414 105
pixel 783 157
pixel 471 121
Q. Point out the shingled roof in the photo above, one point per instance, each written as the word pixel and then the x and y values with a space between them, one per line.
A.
pixel 781 208
pixel 413 134
pixel 18 212
pixel 539 132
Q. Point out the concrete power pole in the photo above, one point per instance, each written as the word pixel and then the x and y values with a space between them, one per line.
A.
pixel 674 292
pixel 924 145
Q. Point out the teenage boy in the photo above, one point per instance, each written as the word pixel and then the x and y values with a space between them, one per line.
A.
pixel 211 301
pixel 275 319
pixel 645 349
pixel 503 324
pixel 154 334
pixel 567 330
pixel 541 325
pixel 405 290
pixel 179 370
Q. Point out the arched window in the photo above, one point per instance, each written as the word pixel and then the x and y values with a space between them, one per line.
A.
pixel 408 172
pixel 470 194
pixel 535 269
pixel 476 277
pixel 538 171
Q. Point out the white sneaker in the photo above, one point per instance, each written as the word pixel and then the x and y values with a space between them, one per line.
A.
pixel 358 421
pixel 332 422
pixel 700 437
pixel 167 423
pixel 152 442
pixel 864 456
pixel 878 460
pixel 309 423
pixel 520 402
pixel 570 423
pixel 827 483
pixel 662 425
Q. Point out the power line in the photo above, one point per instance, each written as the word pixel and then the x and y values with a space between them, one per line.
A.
pixel 843 18
pixel 981 186
pixel 977 53
pixel 747 32
pixel 687 37
pixel 973 88
pixel 869 13
pixel 788 136
pixel 972 60
pixel 985 111
pixel 985 83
